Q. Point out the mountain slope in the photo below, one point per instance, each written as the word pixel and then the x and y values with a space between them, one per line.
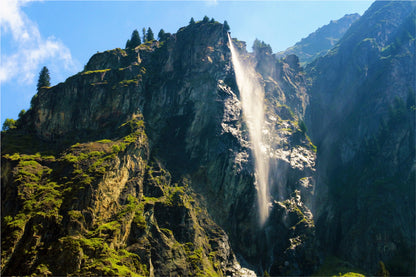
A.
pixel 84 195
pixel 143 150
pixel 318 43
pixel 361 117
pixel 104 208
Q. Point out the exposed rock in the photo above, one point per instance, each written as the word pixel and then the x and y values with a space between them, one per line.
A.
pixel 359 92
pixel 112 213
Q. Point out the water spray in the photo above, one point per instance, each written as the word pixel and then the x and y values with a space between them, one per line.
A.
pixel 252 100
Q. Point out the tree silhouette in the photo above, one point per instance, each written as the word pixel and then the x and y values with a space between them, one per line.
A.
pixel 261 47
pixel 226 26
pixel 134 41
pixel 8 124
pixel 44 78
pixel 192 21
pixel 161 34
pixel 150 36
pixel 144 34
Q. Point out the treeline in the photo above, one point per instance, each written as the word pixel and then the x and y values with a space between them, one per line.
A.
pixel 148 35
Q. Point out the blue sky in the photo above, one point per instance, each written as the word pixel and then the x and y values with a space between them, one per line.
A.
pixel 63 35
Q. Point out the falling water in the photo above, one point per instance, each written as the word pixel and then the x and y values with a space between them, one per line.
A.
pixel 252 99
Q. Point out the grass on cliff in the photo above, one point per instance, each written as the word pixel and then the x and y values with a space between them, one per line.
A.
pixel 49 185
pixel 34 172
pixel 334 266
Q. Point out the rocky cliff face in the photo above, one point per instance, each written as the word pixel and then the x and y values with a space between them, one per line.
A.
pixel 105 208
pixel 141 142
pixel 361 116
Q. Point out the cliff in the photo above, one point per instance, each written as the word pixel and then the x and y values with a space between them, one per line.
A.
pixel 141 152
pixel 361 116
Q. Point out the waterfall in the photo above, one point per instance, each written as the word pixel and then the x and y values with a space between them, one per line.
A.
pixel 252 100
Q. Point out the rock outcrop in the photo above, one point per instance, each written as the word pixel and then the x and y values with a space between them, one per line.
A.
pixel 106 208
pixel 140 200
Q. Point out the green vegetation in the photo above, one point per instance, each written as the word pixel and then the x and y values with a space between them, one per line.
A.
pixel 175 196
pixel 101 141
pixel 382 270
pixel 334 266
pixel 134 41
pixel 161 35
pixel 95 71
pixel 21 113
pixel 43 190
pixel 126 83
pixel 226 26
pixel 44 78
pixel 149 35
pixel 36 193
pixel 8 124
pixel 102 259
pixel 302 126
pixel 261 47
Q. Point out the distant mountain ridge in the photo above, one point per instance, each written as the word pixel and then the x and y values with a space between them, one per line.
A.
pixel 321 41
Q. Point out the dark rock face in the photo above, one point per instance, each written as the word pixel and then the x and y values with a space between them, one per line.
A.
pixel 361 118
pixel 117 209
pixel 321 41
pixel 106 208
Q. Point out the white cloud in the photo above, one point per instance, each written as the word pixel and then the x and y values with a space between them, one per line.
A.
pixel 32 50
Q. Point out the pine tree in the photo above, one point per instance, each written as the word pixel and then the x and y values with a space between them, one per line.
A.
pixel 192 21
pixel 44 78
pixel 150 36
pixel 261 47
pixel 226 26
pixel 128 43
pixel 161 34
pixel 205 19
pixel 144 34
pixel 135 39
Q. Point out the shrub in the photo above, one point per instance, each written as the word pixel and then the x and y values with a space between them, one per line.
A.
pixel 302 126
pixel 226 26
pixel 9 124
pixel 261 47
